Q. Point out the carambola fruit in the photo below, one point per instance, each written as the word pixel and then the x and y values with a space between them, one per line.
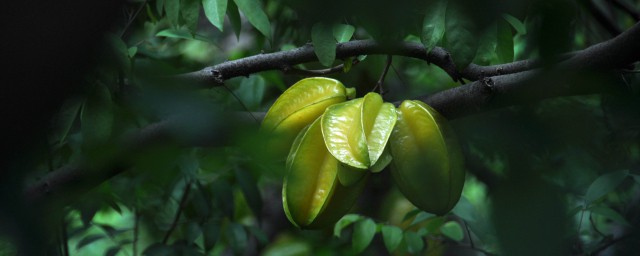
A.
pixel 298 106
pixel 427 161
pixel 312 195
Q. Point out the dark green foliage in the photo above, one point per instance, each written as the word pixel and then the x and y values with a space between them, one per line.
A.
pixel 181 169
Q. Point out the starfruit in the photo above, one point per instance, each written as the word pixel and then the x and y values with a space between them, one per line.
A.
pixel 298 106
pixel 356 133
pixel 427 161
pixel 312 196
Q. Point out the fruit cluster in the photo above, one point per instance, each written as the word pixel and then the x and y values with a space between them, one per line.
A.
pixel 335 142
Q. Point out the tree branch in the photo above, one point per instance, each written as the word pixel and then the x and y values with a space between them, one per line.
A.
pixel 482 95
pixel 216 75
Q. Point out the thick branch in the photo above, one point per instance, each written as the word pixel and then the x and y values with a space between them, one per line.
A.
pixel 482 95
pixel 284 61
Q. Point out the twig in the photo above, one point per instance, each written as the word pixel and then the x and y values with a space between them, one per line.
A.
pixel 623 5
pixel 136 226
pixel 241 103
pixel 126 27
pixel 610 243
pixel 183 202
pixel 319 72
pixel 383 75
pixel 472 98
pixel 65 238
pixel 593 224
pixel 466 225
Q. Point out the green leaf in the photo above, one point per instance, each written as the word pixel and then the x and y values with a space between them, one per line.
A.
pixel 460 39
pixel 414 242
pixel 223 197
pixel 172 9
pixel 65 119
pixel 363 232
pixel 190 11
pixel 249 187
pixel 234 18
pixel 159 249
pixel 343 32
pixel 605 184
pixel 464 209
pixel 256 16
pixel 215 11
pixel 160 6
pixel 516 24
pixel 345 222
pixel 410 214
pixel 422 216
pixel 182 34
pixel 610 214
pixel 113 251
pixel 348 62
pixel 452 230
pixel 636 177
pixel 323 43
pixel 433 25
pixel 132 51
pixel 504 42
pixel 96 117
pixel 251 91
pixel 192 232
pixel 211 234
pixel 392 236
pixel 88 240
pixel 237 236
pixel 259 235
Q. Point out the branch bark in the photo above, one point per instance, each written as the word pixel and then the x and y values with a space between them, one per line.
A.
pixel 518 87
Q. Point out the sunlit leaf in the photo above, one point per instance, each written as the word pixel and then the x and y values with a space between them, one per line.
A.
pixel 363 232
pixel 215 11
pixel 252 10
pixel 324 44
pixel 605 184
pixel 610 214
pixel 343 32
pixel 452 230
pixel 433 25
pixel 392 236
pixel 345 222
